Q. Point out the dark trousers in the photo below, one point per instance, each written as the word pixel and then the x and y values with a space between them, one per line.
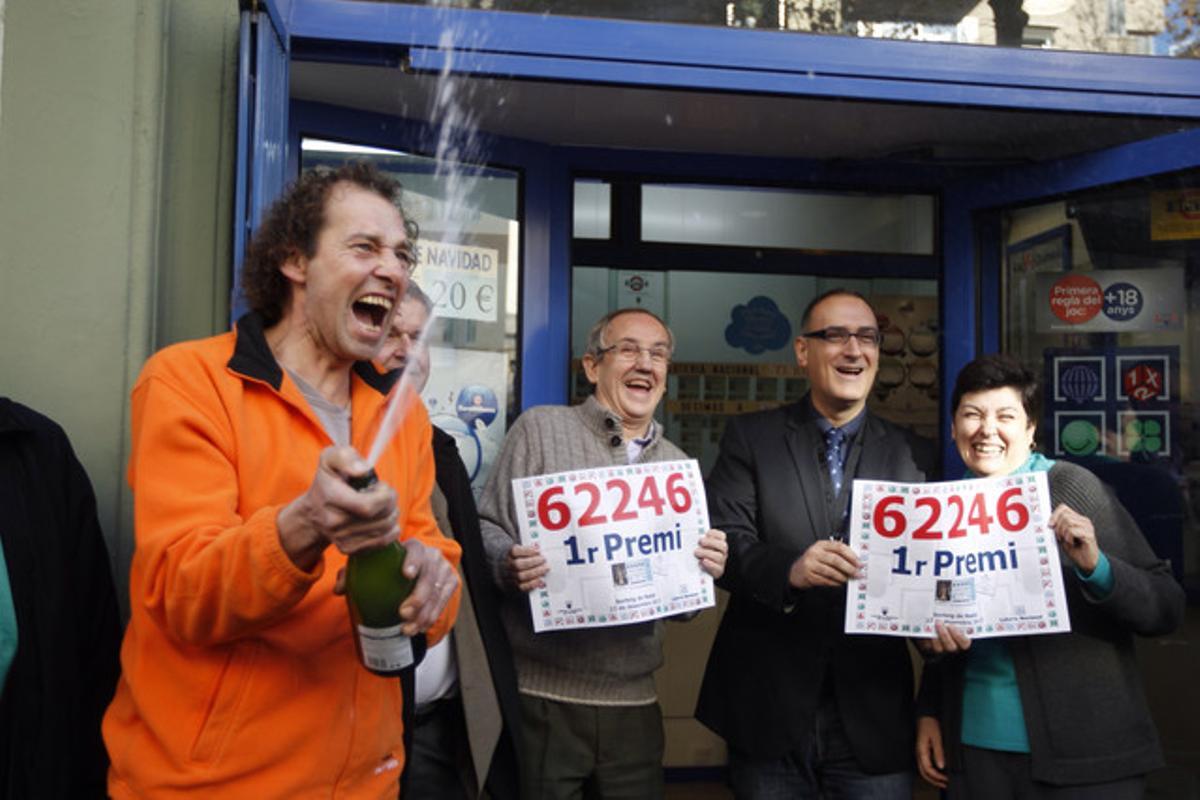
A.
pixel 826 769
pixel 439 766
pixel 997 775
pixel 573 751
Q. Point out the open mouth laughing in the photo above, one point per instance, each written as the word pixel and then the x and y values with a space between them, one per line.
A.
pixel 987 450
pixel 850 370
pixel 639 386
pixel 371 311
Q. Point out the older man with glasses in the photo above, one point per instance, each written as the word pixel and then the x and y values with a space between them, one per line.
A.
pixel 590 720
pixel 806 710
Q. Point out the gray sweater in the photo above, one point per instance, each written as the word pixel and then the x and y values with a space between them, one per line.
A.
pixel 593 666
pixel 1085 711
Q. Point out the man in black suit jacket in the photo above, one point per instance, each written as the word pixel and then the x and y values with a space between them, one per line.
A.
pixel 804 707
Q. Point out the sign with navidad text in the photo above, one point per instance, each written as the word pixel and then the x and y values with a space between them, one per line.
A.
pixel 462 282
pixel 620 543
pixel 977 554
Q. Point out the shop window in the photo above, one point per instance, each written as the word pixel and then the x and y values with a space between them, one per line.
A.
pixel 468 266
pixel 734 332
pixel 784 218
pixel 1102 297
pixel 593 209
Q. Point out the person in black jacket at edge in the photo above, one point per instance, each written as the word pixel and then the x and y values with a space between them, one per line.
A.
pixel 467 716
pixel 59 624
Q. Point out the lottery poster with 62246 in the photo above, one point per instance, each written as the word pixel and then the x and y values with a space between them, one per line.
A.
pixel 620 543
pixel 977 554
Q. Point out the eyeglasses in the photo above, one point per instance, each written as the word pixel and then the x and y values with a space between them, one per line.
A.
pixel 629 350
pixel 867 337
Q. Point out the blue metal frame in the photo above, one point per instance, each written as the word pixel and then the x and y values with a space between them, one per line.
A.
pixel 1162 154
pixel 546 281
pixel 277 10
pixel 718 167
pixel 988 252
pixel 241 198
pixel 959 308
pixel 262 151
pixel 270 117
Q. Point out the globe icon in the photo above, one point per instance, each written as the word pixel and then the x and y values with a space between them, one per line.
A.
pixel 1079 382
pixel 476 402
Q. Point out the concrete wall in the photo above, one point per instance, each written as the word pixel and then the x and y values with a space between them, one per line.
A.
pixel 1 57
pixel 116 158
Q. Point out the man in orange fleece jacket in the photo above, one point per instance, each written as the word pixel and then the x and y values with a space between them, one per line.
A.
pixel 240 678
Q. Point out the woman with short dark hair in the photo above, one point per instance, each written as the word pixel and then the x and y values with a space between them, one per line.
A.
pixel 1047 716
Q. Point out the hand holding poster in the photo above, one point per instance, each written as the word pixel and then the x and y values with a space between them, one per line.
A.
pixel 976 554
pixel 619 541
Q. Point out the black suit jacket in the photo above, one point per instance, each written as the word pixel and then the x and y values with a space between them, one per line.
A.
pixel 775 644
pixel 502 778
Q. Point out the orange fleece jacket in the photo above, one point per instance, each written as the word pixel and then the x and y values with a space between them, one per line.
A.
pixel 240 678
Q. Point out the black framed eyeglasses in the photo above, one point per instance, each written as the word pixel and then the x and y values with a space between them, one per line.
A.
pixel 629 350
pixel 867 337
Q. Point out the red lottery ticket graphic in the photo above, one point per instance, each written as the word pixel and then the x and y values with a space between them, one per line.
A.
pixel 1143 382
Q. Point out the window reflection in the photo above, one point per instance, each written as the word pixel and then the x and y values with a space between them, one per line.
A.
pixel 1103 297
pixel 734 332
pixel 1142 27
pixel 762 217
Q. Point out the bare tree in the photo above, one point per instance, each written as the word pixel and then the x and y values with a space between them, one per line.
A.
pixel 1183 27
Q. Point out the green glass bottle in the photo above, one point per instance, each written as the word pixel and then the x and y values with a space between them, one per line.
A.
pixel 375 588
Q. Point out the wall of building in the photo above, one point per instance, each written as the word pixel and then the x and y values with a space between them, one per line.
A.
pixel 116 158
pixel 1 57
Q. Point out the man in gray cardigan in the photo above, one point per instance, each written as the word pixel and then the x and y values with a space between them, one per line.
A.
pixel 589 714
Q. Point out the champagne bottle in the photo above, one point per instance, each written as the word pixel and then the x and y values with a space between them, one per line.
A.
pixel 375 587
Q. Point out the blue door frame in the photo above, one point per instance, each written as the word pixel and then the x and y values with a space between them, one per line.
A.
pixel 262 152
pixel 790 64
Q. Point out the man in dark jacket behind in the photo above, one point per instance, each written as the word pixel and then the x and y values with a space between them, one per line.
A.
pixel 467 719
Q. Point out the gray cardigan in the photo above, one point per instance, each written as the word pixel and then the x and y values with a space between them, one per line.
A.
pixel 594 666
pixel 1085 710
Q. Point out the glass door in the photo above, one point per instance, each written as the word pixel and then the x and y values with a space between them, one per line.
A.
pixel 731 268
pixel 1100 294
pixel 1102 297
